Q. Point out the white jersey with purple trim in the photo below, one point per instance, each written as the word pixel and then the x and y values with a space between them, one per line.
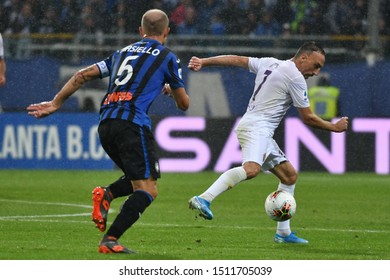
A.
pixel 278 85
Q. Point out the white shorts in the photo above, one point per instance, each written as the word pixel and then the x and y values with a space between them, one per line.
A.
pixel 260 149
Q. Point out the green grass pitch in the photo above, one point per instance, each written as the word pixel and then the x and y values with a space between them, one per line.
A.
pixel 45 215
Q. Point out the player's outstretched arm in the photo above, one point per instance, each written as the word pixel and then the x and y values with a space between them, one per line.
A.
pixel 43 109
pixel 181 98
pixel 179 95
pixel 197 63
pixel 311 119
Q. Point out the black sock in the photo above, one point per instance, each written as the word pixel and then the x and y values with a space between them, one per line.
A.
pixel 130 212
pixel 121 187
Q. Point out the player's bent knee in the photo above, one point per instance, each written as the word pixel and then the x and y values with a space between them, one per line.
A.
pixel 152 191
pixel 149 187
pixel 291 179
pixel 252 169
pixel 252 174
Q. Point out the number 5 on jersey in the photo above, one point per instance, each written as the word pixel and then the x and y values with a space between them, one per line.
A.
pixel 125 67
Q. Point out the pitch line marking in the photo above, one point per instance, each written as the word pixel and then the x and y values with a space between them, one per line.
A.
pixel 47 203
pixel 267 228
pixel 28 217
pixel 35 218
pixel 140 224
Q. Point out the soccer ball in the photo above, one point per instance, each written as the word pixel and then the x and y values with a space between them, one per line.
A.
pixel 280 206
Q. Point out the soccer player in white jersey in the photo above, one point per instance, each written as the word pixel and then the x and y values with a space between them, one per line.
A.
pixel 278 85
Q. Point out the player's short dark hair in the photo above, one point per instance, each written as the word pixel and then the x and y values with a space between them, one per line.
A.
pixel 309 47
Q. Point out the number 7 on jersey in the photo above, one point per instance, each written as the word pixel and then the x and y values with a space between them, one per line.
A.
pixel 266 74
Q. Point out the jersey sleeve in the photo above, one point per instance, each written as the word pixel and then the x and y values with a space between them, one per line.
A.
pixel 174 76
pixel 255 63
pixel 1 47
pixel 298 92
pixel 104 67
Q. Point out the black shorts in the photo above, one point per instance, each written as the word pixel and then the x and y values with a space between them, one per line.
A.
pixel 131 147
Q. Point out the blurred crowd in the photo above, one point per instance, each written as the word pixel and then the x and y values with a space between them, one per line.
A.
pixel 218 17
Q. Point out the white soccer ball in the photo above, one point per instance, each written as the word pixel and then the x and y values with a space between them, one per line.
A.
pixel 280 206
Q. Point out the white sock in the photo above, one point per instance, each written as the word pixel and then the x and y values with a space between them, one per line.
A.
pixel 225 182
pixel 283 228
pixel 286 188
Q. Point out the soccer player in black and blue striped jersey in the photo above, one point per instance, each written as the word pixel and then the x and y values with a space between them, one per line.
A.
pixel 137 74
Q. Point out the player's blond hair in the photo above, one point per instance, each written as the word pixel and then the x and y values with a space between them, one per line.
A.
pixel 154 22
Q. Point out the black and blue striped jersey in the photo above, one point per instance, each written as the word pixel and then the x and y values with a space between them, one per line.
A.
pixel 137 75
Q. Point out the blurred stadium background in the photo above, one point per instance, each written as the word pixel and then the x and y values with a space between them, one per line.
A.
pixel 46 41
